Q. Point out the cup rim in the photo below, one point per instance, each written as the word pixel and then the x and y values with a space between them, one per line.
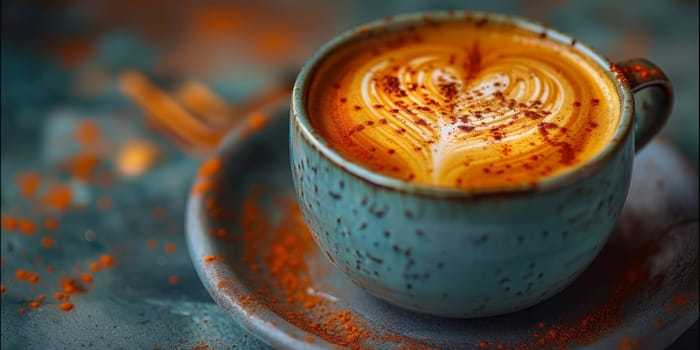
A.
pixel 300 119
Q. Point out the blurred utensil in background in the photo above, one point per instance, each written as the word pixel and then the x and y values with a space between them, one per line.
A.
pixel 196 118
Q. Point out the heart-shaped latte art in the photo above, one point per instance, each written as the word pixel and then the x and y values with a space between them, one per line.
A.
pixel 471 116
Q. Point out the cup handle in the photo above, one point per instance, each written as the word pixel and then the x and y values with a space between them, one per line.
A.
pixel 653 93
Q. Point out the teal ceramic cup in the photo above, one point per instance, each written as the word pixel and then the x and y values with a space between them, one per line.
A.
pixel 456 253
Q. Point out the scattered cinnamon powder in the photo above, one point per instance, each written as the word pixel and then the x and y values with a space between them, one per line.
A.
pixel 95 267
pixel 82 166
pixel 51 224
pixel 86 277
pixel 221 233
pixel 211 258
pixel 9 223
pixel 628 343
pixel 27 276
pixel 158 213
pixel 256 121
pixel 680 300
pixel 170 247
pixel 275 253
pixel 87 132
pixel 28 184
pixel 605 318
pixel 47 241
pixel 677 303
pixel 59 198
pixel 107 260
pixel 67 306
pixel 27 226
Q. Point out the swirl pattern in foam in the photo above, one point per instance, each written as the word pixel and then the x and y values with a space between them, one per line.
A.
pixel 463 105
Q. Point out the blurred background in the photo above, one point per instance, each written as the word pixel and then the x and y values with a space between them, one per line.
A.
pixel 73 52
pixel 86 86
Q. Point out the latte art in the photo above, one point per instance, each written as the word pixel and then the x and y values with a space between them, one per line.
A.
pixel 464 106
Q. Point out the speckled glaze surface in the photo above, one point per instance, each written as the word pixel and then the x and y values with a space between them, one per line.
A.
pixel 462 254
pixel 661 211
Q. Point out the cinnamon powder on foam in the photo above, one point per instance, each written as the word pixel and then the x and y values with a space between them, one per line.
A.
pixel 464 104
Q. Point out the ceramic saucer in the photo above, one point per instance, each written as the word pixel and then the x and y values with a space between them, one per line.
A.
pixel 640 292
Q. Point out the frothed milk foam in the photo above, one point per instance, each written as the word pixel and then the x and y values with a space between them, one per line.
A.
pixel 463 104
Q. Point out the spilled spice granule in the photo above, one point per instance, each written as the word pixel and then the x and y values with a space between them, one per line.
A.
pixel 87 132
pixel 51 224
pixel 59 198
pixel 28 184
pixel 27 276
pixel 256 121
pixel 158 213
pixel 27 226
pixel 86 277
pixel 47 241
pixel 82 166
pixel 2 289
pixel 170 247
pixel 628 343
pixel 9 223
pixel 71 286
pixel 107 260
pixel 67 306
pixel 34 304
pixel 151 244
pixel 677 303
pixel 174 279
pixel 680 300
pixel 211 258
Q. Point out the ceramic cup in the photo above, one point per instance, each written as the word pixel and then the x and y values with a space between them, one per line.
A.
pixel 455 253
